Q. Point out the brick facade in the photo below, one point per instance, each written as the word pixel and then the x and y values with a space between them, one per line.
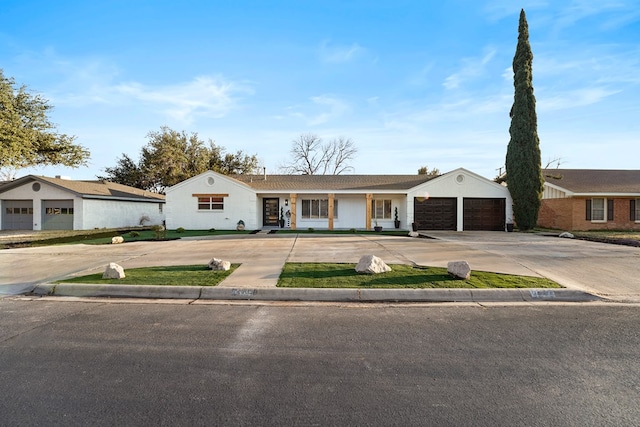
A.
pixel 570 214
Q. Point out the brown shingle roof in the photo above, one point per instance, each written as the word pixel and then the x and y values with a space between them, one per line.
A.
pixel 594 180
pixel 332 182
pixel 99 189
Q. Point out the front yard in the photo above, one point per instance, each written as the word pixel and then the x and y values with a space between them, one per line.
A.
pixel 324 275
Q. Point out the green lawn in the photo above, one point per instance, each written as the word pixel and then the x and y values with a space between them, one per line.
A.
pixel 181 275
pixel 324 275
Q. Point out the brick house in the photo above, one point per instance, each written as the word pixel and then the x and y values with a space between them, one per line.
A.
pixel 590 199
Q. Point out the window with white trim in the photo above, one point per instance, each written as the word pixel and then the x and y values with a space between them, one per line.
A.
pixel 635 209
pixel 598 209
pixel 318 208
pixel 381 209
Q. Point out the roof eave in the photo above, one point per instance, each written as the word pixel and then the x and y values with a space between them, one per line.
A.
pixel 606 194
pixel 123 199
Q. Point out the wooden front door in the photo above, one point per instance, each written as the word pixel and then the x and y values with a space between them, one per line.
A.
pixel 270 212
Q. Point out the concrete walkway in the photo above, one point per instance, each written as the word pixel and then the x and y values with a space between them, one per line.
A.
pixel 603 270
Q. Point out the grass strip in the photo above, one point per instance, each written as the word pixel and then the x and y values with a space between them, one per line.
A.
pixel 179 275
pixel 328 275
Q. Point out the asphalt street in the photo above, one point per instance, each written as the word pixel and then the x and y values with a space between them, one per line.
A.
pixel 110 363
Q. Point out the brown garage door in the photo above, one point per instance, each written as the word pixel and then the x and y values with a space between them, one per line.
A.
pixel 484 214
pixel 437 213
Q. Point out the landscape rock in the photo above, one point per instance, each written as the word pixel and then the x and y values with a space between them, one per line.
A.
pixel 218 264
pixel 113 271
pixel 371 264
pixel 459 269
pixel 567 235
pixel 414 234
pixel 117 239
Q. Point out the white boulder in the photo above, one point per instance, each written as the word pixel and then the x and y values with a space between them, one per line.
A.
pixel 218 264
pixel 113 271
pixel 371 264
pixel 414 234
pixel 459 269
pixel 117 239
pixel 567 235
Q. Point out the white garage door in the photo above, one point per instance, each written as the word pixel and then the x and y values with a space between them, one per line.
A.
pixel 17 215
pixel 57 215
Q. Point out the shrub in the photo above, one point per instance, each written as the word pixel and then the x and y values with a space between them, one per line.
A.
pixel 212 230
pixel 134 234
pixel 311 230
pixel 159 231
pixel 352 230
pixel 180 230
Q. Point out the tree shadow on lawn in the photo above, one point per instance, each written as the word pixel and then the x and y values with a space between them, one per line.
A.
pixel 344 275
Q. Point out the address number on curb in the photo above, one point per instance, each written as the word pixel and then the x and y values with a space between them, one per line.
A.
pixel 244 292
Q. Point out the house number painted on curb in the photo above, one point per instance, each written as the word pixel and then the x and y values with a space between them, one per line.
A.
pixel 542 294
pixel 244 292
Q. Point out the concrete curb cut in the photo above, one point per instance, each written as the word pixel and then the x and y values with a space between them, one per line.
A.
pixel 309 294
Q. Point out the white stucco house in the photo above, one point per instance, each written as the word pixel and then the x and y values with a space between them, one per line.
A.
pixel 43 203
pixel 457 200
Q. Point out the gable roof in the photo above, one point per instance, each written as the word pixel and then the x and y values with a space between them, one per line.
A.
pixel 89 189
pixel 589 181
pixel 332 182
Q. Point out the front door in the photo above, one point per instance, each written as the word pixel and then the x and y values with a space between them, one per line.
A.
pixel 270 212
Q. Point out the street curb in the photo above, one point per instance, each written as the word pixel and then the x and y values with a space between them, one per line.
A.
pixel 314 294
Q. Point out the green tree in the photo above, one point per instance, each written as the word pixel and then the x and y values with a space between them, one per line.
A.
pixel 171 157
pixel 126 172
pixel 27 136
pixel 523 172
pixel 424 170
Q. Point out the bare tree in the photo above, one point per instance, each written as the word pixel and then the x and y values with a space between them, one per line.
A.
pixel 311 156
pixel 551 162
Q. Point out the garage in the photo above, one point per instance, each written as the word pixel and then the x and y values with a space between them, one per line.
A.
pixel 484 214
pixel 17 215
pixel 57 215
pixel 437 213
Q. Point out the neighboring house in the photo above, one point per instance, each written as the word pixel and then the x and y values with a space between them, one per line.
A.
pixel 590 199
pixel 458 200
pixel 42 203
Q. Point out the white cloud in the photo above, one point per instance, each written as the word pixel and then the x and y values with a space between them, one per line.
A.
pixel 204 96
pixel 332 53
pixel 615 12
pixel 91 81
pixel 331 108
pixel 574 98
pixel 471 68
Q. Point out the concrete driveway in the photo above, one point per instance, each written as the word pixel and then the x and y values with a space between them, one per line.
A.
pixel 606 270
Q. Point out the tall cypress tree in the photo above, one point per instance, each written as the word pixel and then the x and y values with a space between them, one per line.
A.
pixel 524 174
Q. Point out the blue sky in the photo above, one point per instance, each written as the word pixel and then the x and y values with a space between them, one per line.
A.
pixel 412 83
